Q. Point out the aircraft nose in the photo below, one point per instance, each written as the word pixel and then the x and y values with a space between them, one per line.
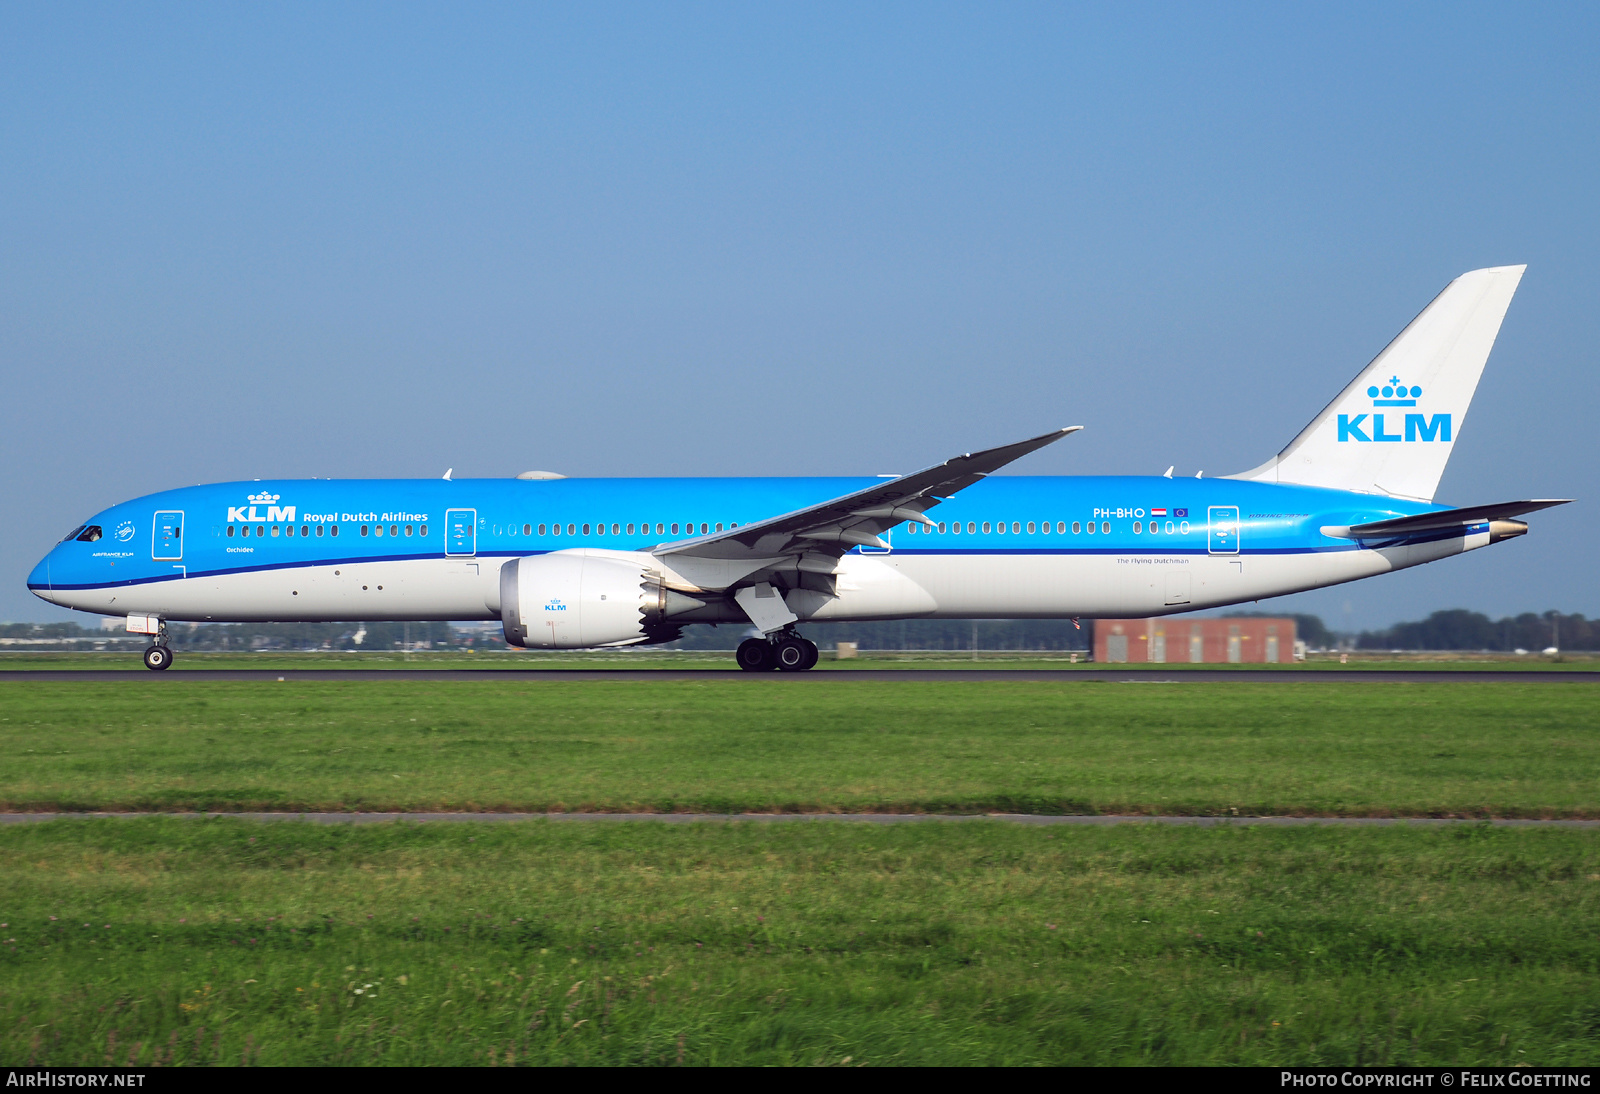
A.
pixel 39 580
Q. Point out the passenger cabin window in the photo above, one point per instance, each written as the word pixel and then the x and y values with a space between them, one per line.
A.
pixel 363 529
pixel 661 529
pixel 911 528
pixel 527 529
pixel 274 531
pixel 1138 526
pixel 972 527
pixel 985 527
pixel 1016 528
pixel 674 529
pixel 585 529
pixel 230 531
pixel 90 534
pixel 572 529
pixel 1030 527
pixel 1076 527
pixel 261 529
pixel 555 530
pixel 1001 528
pixel 941 527
pixel 541 529
pixel 335 530
pixel 630 529
pixel 1061 527
pixel 1105 527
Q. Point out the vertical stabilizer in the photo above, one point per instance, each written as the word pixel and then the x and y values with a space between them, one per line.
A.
pixel 1391 431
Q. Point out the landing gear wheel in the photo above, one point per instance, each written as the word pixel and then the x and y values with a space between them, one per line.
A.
pixel 157 658
pixel 756 655
pixel 794 654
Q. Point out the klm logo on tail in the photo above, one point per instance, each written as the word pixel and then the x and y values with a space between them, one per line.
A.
pixel 1418 427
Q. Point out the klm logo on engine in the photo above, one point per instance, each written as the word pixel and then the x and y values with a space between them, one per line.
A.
pixel 1416 427
pixel 242 515
pixel 555 605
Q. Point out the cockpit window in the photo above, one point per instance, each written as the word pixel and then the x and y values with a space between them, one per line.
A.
pixel 73 534
pixel 89 534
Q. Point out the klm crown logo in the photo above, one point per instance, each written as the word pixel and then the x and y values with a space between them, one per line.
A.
pixel 1418 427
pixel 1394 393
pixel 263 499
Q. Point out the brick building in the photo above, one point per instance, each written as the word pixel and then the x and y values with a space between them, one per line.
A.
pixel 1173 639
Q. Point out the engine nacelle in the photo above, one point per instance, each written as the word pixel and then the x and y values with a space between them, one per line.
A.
pixel 571 600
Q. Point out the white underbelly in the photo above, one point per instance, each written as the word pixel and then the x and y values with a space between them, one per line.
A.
pixel 888 586
pixel 406 589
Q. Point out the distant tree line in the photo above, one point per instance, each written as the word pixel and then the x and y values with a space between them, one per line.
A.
pixel 1459 629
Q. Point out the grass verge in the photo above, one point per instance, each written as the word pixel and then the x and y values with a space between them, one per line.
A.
pixel 190 942
pixel 1401 749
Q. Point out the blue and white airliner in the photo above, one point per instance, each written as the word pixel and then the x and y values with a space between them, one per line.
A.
pixel 582 563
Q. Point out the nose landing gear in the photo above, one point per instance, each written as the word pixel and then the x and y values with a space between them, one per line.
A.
pixel 159 656
pixel 785 651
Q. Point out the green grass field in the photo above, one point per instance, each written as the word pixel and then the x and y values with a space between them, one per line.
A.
pixel 1402 749
pixel 195 942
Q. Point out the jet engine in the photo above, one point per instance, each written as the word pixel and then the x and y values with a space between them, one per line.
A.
pixel 580 599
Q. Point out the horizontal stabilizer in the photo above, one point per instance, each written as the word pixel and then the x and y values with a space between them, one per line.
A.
pixel 1448 518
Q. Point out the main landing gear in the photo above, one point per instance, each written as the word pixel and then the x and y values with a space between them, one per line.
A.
pixel 785 651
pixel 159 656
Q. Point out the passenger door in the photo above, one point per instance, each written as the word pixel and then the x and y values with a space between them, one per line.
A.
pixel 166 538
pixel 460 533
pixel 1224 521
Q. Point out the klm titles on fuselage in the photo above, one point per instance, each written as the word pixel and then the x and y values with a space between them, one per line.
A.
pixel 240 514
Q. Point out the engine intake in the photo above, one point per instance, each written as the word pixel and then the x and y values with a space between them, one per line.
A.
pixel 570 600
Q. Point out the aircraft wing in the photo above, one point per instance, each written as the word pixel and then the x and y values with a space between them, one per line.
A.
pixel 857 519
pixel 1450 518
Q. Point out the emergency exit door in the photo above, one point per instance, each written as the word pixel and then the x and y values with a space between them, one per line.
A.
pixel 166 539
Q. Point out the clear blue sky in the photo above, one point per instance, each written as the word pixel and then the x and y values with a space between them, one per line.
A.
pixel 242 241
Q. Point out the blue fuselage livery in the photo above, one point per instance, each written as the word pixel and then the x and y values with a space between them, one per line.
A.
pixel 582 563
pixel 322 523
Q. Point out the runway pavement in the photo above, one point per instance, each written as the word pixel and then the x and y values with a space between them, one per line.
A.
pixel 854 818
pixel 179 676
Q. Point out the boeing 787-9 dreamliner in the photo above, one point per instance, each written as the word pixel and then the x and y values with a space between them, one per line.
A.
pixel 568 563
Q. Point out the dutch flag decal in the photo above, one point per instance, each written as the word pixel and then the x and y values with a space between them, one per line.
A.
pixel 1158 512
